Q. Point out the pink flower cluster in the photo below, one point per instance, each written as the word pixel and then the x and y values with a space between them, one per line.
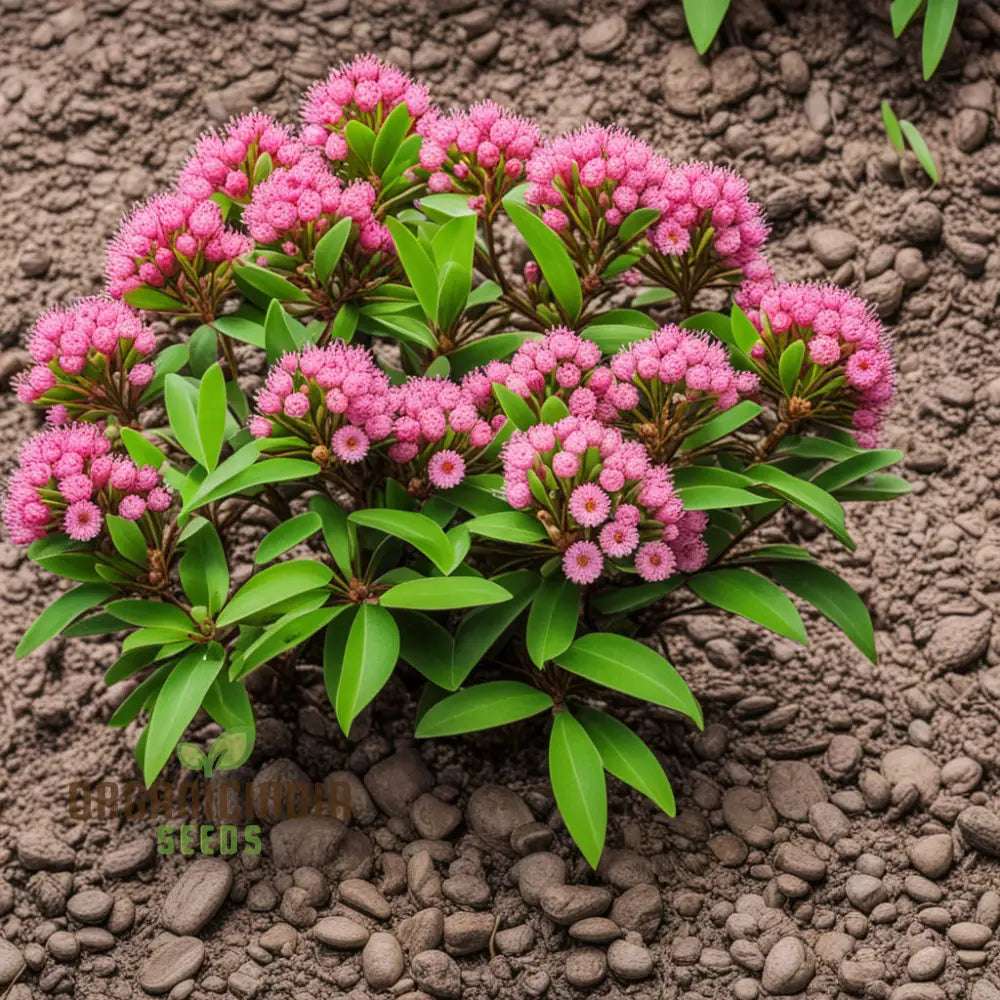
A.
pixel 610 167
pixel 481 152
pixel 64 341
pixel 168 238
pixel 561 364
pixel 436 421
pixel 67 480
pixel 335 396
pixel 688 364
pixel 843 337
pixel 605 499
pixel 226 163
pixel 696 195
pixel 366 90
pixel 295 206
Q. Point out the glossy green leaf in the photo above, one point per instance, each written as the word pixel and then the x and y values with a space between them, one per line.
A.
pixel 202 349
pixel 418 266
pixel 790 365
pixel 624 665
pixel 289 631
pixel 577 774
pixel 625 599
pixel 212 415
pixel 513 526
pixel 60 613
pixel 554 410
pixel 882 486
pixel 140 450
pixel 182 401
pixel 637 222
pixel 892 129
pixel 552 620
pixel 496 347
pixel 130 708
pixel 389 137
pixel 245 325
pixel 334 645
pixel 453 291
pixel 128 539
pixel 228 703
pixel 724 423
pixel 151 614
pixel 369 659
pixel 274 584
pixel 278 337
pixel 270 284
pixel 901 13
pixel 236 463
pixel 204 571
pixel 517 410
pixel 742 592
pixel 806 495
pixel 920 149
pixel 267 473
pixel 338 533
pixel 152 299
pixel 854 468
pixel 939 19
pixel 414 529
pixel 704 18
pixel 128 665
pixel 718 497
pixel 428 647
pixel 360 140
pixel 483 706
pixel 287 535
pixel 329 249
pixel 441 593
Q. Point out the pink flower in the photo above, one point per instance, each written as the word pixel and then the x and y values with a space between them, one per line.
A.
pixel 446 469
pixel 618 539
pixel 565 464
pixel 350 444
pixel 589 505
pixel 158 499
pixel 260 427
pixel 655 561
pixel 583 562
pixel 83 520
pixel 131 507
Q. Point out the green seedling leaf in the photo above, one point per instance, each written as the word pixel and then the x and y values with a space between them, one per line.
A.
pixel 704 18
pixel 920 149
pixel 892 129
pixel 939 19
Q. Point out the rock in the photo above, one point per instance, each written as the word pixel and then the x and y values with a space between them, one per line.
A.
pixel 966 934
pixel 799 861
pixel 424 931
pixel 828 822
pixel 817 109
pixel 833 947
pixel 34 263
pixel 926 964
pixel 38 850
pixel 788 968
pixel 586 967
pixel 90 906
pixel 63 946
pixel 922 223
pixel 854 976
pixel 793 787
pixel 623 869
pixel 909 264
pixel 729 849
pixel 531 837
pixel 363 810
pixel 630 961
pixel 11 962
pixel 685 80
pixel 382 961
pixel 884 292
pixel 515 940
pixel 438 974
pixel 309 841
pixel 604 37
pixel 743 809
pixel 280 939
pixel 466 933
pixel 128 858
pixel 565 904
pixel 482 49
pixel 432 818
pixel 262 897
pixel 595 930
pixel 969 129
pixel 639 909
pixel 537 872
pixel 273 787
pixel 197 896
pixel 959 640
pixel 735 74
pixel 494 812
pixel 170 964
pixel 95 939
pixel 341 933
pixel 911 765
pixel 296 909
pixel 794 72
pixel 988 909
pixel 467 890
pixel 422 879
pixel 832 247
pixel 932 855
pixel 365 897
pixel 865 892
pixel 397 781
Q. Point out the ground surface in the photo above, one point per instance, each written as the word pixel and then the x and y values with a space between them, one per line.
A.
pixel 839 824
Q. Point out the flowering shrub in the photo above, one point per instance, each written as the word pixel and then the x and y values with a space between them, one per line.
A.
pixel 497 479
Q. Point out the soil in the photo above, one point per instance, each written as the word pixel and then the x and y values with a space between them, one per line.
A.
pixel 838 827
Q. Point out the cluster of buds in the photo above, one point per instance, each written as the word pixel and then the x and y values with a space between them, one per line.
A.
pixel 671 383
pixel 90 361
pixel 847 375
pixel 68 480
pixel 365 90
pixel 480 152
pixel 600 498
pixel 179 246
pixel 230 163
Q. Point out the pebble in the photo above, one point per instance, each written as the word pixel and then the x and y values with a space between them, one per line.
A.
pixel 516 940
pixel 494 813
pixel 34 263
pixel 922 223
pixel 90 906
pixel 629 961
pixel 639 909
pixel 959 640
pixel 981 829
pixel 832 247
pixel 397 781
pixel 829 822
pixel 467 933
pixel 855 975
pixel 594 930
pixel 926 964
pixel 969 129
pixel 382 961
pixel 961 775
pixel 432 818
pixel 729 849
pixel 38 850
pixel 788 968
pixel 170 964
pixel 969 935
pixel 565 904
pixel 586 967
pixel 884 292
pixel 794 72
pixel 197 896
pixel 735 74
pixel 744 809
pixel 800 861
pixel 988 909
pixel 63 946
pixel 365 897
pixel 911 765
pixel 604 37
pixel 865 892
pixel 341 933
pixel 438 974
pixel 932 856
pixel 793 787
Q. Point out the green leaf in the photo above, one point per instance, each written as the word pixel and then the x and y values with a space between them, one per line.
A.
pixel 240 460
pixel 744 333
pixel 554 410
pixel 99 624
pixel 233 748
pixel 128 665
pixel 637 221
pixel 329 249
pixel 151 614
pixel 429 648
pixel 271 285
pixel 278 337
pixel 625 755
pixel 60 613
pixel 245 325
pixel 892 129
pixel 625 665
pixel 920 149
pixel 610 337
pixel 228 703
pixel 626 599
pixel 203 569
pixel 884 486
pixel 717 324
pixel 334 646
pixel 741 592
pixel 151 299
pixel 806 495
pixel 493 348
pixel 901 13
pixel 390 137
pixel 551 255
pixel 345 323
pixel 653 296
pixel 289 631
pixel 552 620
pixel 267 473
pixel 790 365
pixel 831 596
pixel 415 529
pixel 778 553
pixel 418 266
pixel 181 399
pixel 719 426
pixel 718 497
pixel 441 593
pixel 577 774
pixel 517 410
pixel 509 526
pixel 442 207
pixel 171 359
pixel 338 533
pixel 369 659
pixel 704 18
pixel 191 757
pixel 141 451
pixel 939 19
pixel 286 535
pixel 128 539
pixel 137 699
pixel 360 139
pixel 816 447
pixel 212 415
pixel 178 701
pixel 484 706
pixel 274 584
pixel 453 291
pixel 476 498
pixel 854 468
pixel 202 350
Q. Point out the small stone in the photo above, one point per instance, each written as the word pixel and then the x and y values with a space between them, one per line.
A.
pixel 865 892
pixel 794 72
pixel 424 931
pixel 966 934
pixel 988 909
pixel 817 109
pixel 565 904
pixel 531 837
pixel 494 812
pixel 854 976
pixel 170 964
pixel 262 897
pixel 832 247
pixel 833 947
pixel 128 858
pixel 63 946
pixel 365 897
pixel 743 809
pixel 90 906
pixel 197 896
pixel 959 640
pixel 34 263
pixel 482 49
pixel 280 939
pixel 875 790
pixel 911 765
pixel 467 933
pixel 909 264
pixel 624 869
pixel 586 967
pixel 800 861
pixel 884 292
pixel 922 223
pixel 630 961
pixel 922 890
pixel 926 964
pixel 296 909
pixel 382 961
pixel 41 851
pixel 961 775
pixel 95 939
pixel 307 841
pixel 969 129
pixel 595 930
pixel 981 829
pixel 788 968
pixel 829 822
pixel 735 74
pixel 537 872
pixel 932 856
pixel 639 909
pixel 432 818
pixel 516 940
pixel 341 933
pixel 605 37
pixel 729 849
pixel 437 973
pixel 397 781
pixel 793 786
